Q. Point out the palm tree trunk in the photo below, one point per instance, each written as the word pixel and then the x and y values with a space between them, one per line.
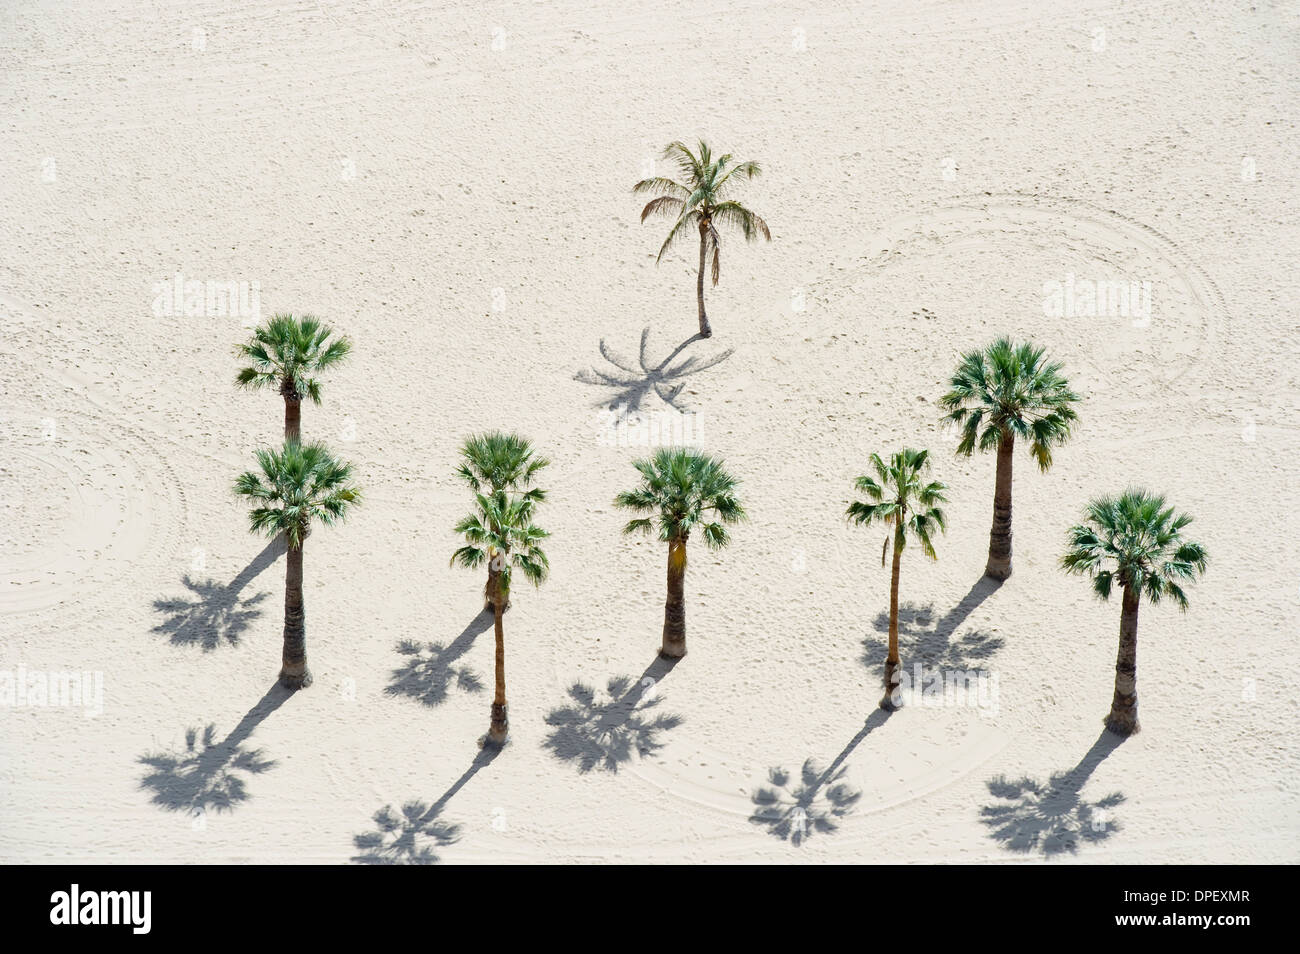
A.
pixel 674 641
pixel 999 565
pixel 292 416
pixel 705 330
pixel 294 673
pixel 491 586
pixel 893 663
pixel 500 728
pixel 1123 718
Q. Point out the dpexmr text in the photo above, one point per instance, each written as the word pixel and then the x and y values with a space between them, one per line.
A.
pixel 1159 897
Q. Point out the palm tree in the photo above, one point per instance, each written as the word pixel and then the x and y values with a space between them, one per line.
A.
pixel 682 489
pixel 501 533
pixel 1137 541
pixel 298 485
pixel 285 354
pixel 999 393
pixel 701 201
pixel 494 462
pixel 899 497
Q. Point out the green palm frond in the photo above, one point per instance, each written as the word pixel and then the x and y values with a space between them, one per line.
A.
pixel 501 524
pixel 680 490
pixel 287 352
pixel 698 199
pixel 899 499
pixel 1135 539
pixel 1009 389
pixel 296 486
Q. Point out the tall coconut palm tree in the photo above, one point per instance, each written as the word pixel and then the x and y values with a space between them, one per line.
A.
pixel 286 353
pixel 999 393
pixel 297 486
pixel 899 497
pixel 494 462
pixel 1134 540
pixel 501 532
pixel 701 201
pixel 682 489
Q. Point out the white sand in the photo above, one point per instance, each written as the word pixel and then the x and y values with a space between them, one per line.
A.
pixel 479 169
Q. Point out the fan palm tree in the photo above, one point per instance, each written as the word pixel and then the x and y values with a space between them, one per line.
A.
pixel 682 489
pixel 297 486
pixel 494 462
pixel 899 497
pixel 501 532
pixel 1134 540
pixel 999 393
pixel 286 353
pixel 701 200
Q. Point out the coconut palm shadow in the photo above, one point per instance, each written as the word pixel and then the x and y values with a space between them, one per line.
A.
pixel 213 613
pixel 409 836
pixel 592 734
pixel 933 642
pixel 210 775
pixel 430 671
pixel 635 382
pixel 792 811
pixel 1052 817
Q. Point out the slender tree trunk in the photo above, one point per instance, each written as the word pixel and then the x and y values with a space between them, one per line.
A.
pixel 999 565
pixel 500 728
pixel 674 641
pixel 893 663
pixel 490 587
pixel 292 412
pixel 705 330
pixel 294 673
pixel 1123 718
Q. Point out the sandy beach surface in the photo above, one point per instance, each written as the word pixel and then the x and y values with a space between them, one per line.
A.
pixel 450 186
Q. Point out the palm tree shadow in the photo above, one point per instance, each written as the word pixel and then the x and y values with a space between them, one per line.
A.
pixel 431 671
pixel 213 613
pixel 594 734
pixel 634 383
pixel 409 836
pixel 1052 817
pixel 932 642
pixel 792 810
pixel 210 775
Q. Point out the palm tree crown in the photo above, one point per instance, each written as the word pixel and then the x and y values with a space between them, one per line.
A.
pixel 502 526
pixel 682 489
pixel 899 496
pixel 286 353
pixel 496 461
pixel 1007 389
pixel 701 198
pixel 297 485
pixel 1136 540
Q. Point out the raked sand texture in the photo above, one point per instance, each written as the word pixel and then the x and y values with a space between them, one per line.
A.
pixel 449 185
